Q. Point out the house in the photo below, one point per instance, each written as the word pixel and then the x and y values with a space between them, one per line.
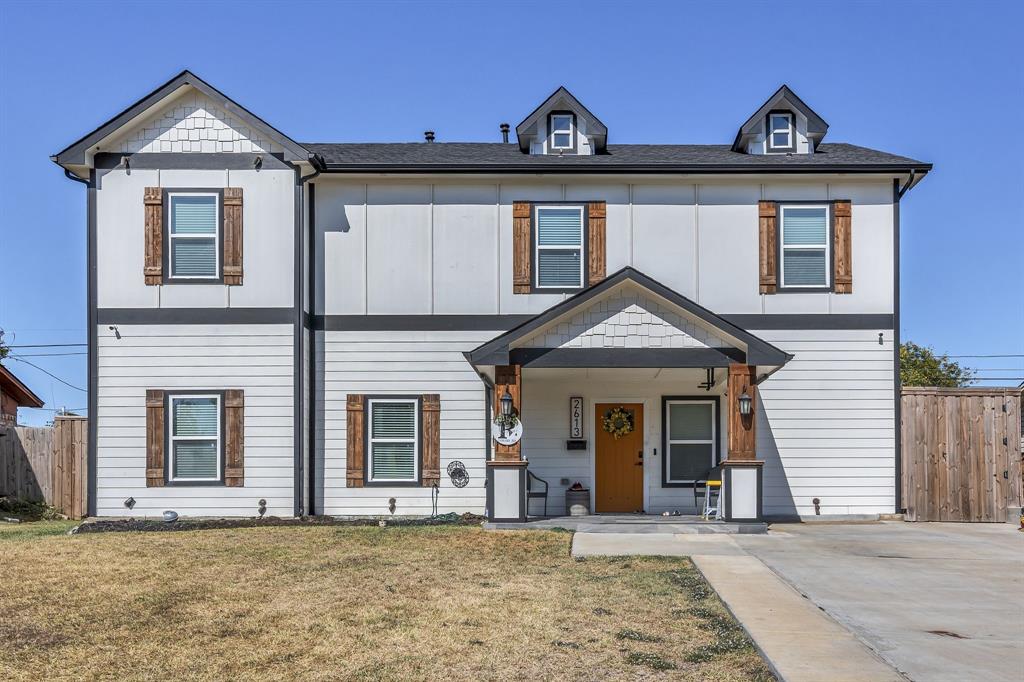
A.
pixel 14 394
pixel 340 328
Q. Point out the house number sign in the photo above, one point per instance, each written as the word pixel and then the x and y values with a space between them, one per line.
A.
pixel 575 417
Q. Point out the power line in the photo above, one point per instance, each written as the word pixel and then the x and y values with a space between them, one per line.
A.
pixel 58 355
pixel 977 356
pixel 50 345
pixel 31 364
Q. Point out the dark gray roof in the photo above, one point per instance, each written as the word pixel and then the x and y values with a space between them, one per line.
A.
pixel 656 158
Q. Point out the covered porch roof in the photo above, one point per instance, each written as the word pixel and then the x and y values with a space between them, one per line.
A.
pixel 628 320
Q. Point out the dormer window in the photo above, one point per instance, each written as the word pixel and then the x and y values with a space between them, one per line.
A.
pixel 780 131
pixel 562 133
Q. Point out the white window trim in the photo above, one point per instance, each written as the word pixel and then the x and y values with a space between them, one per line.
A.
pixel 789 132
pixel 415 440
pixel 537 246
pixel 172 439
pixel 805 247
pixel 669 442
pixel 171 236
pixel 571 131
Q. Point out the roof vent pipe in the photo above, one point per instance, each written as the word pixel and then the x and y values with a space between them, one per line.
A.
pixel 429 135
pixel 504 132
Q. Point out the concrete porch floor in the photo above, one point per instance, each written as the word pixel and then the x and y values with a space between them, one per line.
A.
pixel 633 524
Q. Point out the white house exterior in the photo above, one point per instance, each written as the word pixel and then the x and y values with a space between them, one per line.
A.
pixel 334 336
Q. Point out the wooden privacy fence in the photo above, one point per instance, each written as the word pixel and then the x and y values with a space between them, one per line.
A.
pixel 961 453
pixel 44 464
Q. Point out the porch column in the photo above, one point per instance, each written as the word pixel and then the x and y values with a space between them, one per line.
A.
pixel 506 471
pixel 742 470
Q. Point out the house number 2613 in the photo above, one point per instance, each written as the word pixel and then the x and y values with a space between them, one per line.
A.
pixel 575 417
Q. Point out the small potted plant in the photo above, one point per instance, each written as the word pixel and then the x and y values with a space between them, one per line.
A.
pixel 577 500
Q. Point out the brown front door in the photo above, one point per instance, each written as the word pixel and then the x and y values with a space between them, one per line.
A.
pixel 618 465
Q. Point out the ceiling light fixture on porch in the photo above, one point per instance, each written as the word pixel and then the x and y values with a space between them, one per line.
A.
pixel 746 403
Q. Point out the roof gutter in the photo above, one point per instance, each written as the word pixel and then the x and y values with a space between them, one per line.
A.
pixel 623 169
pixel 912 181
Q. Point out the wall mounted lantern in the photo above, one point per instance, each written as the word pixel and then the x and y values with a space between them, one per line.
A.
pixel 506 411
pixel 746 403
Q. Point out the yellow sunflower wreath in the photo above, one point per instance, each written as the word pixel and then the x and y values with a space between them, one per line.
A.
pixel 618 422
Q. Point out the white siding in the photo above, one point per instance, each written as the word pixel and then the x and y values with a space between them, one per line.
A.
pixel 254 358
pixel 827 429
pixel 403 363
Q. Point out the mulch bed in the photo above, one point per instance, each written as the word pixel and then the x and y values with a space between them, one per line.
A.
pixel 157 525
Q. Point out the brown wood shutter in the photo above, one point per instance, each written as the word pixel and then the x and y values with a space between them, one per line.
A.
pixel 431 442
pixel 234 438
pixel 596 214
pixel 843 275
pixel 355 450
pixel 767 227
pixel 233 235
pixel 155 433
pixel 153 265
pixel 522 247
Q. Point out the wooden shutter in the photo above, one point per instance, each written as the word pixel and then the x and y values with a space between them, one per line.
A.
pixel 842 211
pixel 355 453
pixel 155 438
pixel 522 247
pixel 431 441
pixel 767 227
pixel 153 265
pixel 596 213
pixel 233 235
pixel 234 438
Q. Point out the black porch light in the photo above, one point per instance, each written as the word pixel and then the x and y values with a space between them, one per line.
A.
pixel 746 403
pixel 506 404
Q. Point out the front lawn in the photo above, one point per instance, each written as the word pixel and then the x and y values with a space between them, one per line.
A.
pixel 343 603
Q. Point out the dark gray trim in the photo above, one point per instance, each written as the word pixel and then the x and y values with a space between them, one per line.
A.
pixel 189 161
pixel 75 153
pixel 665 399
pixel 768 148
pixel 307 325
pixel 831 265
pixel 166 228
pixel 496 351
pixel 93 341
pixel 897 378
pixel 551 135
pixel 625 357
pixel 584 248
pixel 195 315
pixel 489 500
pixel 727 484
pixel 813 321
pixel 222 438
pixel 534 169
pixel 367 455
pixel 340 323
pixel 297 357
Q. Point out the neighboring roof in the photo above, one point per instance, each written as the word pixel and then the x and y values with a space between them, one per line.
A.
pixel 495 351
pixel 816 126
pixel 12 386
pixel 75 153
pixel 485 157
pixel 595 128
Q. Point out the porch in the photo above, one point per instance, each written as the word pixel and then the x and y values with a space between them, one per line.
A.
pixel 632 523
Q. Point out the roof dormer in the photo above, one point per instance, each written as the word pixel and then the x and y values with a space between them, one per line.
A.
pixel 561 125
pixel 783 125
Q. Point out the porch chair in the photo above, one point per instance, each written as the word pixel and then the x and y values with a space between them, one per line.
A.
pixel 710 488
pixel 532 484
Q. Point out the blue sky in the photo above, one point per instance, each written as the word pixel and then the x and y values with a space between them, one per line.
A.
pixel 940 82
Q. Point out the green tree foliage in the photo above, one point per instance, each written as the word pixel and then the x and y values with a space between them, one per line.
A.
pixel 4 350
pixel 920 366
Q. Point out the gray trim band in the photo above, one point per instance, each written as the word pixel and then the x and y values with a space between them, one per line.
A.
pixel 189 161
pixel 195 316
pixel 339 323
pixel 625 357
pixel 812 321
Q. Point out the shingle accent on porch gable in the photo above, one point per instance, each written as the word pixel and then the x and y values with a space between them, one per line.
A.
pixel 626 318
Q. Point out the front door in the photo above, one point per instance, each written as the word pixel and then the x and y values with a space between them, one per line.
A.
pixel 618 462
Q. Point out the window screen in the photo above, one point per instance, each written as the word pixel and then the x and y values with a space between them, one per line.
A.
pixel 805 246
pixel 195 438
pixel 560 247
pixel 394 441
pixel 193 231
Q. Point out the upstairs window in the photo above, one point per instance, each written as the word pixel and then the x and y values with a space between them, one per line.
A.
pixel 558 252
pixel 805 247
pixel 394 440
pixel 195 438
pixel 562 132
pixel 780 131
pixel 194 236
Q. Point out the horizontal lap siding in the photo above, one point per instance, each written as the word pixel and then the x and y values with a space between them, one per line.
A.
pixel 828 429
pixel 255 358
pixel 402 363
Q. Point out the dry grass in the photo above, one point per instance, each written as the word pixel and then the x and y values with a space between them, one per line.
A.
pixel 352 603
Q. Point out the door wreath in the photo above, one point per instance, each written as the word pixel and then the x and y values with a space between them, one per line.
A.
pixel 618 422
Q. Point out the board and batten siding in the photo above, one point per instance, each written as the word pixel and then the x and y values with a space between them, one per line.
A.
pixel 401 363
pixel 443 245
pixel 827 429
pixel 258 359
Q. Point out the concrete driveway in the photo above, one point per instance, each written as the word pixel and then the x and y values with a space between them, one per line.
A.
pixel 936 601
